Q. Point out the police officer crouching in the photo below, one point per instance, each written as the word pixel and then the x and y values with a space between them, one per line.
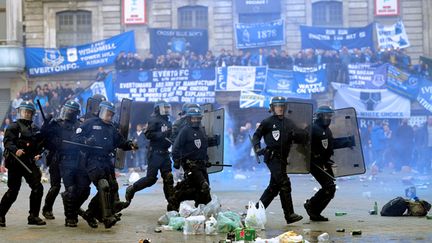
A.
pixel 190 152
pixel 322 147
pixel 158 132
pixel 278 132
pixel 101 132
pixel 23 145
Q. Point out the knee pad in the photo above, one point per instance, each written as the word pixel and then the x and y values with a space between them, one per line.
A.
pixel 205 188
pixel 286 186
pixel 168 178
pixel 38 189
pixel 12 193
pixel 103 185
pixel 330 190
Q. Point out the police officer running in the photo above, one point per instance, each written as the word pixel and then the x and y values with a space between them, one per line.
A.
pixel 158 133
pixel 23 145
pixel 279 132
pixel 99 166
pixel 322 147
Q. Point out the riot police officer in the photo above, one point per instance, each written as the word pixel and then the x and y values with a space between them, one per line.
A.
pixel 182 121
pixel 74 176
pixel 279 132
pixel 55 179
pixel 99 161
pixel 23 145
pixel 322 147
pixel 190 152
pixel 158 133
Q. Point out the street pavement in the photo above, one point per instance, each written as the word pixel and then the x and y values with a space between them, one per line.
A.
pixel 355 196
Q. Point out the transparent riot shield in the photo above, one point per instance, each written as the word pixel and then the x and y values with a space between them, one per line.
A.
pixel 299 156
pixel 92 106
pixel 214 124
pixel 124 119
pixel 348 161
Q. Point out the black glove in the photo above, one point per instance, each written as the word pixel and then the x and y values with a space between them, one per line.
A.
pixel 260 151
pixel 133 145
pixel 48 123
pixel 177 163
pixel 351 140
pixel 90 141
pixel 217 139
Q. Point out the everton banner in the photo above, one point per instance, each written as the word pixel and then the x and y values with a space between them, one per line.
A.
pixel 179 85
pixel 179 41
pixel 393 36
pixel 336 38
pixel 240 78
pixel 104 88
pixel 403 83
pixel 250 99
pixel 260 34
pixel 367 76
pixel 424 97
pixel 40 61
pixel 281 83
pixel 308 80
pixel 371 103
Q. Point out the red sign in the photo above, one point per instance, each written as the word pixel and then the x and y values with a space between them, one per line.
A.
pixel 133 11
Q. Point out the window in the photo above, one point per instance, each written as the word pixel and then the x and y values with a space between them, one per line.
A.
pixel 3 20
pixel 327 13
pixel 74 28
pixel 193 17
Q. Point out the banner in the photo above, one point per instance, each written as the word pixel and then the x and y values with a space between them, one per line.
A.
pixel 308 80
pixel 424 97
pixel 240 78
pixel 403 83
pixel 179 41
pixel 281 83
pixel 250 99
pixel 367 76
pixel 104 88
pixel 179 85
pixel 336 38
pixel 40 61
pixel 260 34
pixel 371 103
pixel 392 36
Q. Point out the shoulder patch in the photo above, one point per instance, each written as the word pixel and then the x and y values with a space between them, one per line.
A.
pixel 79 130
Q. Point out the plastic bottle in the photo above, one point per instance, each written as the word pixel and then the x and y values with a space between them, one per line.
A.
pixel 324 237
pixel 376 207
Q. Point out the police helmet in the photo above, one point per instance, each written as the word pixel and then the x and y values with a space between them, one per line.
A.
pixel 70 110
pixel 323 115
pixel 277 101
pixel 194 112
pixel 99 97
pixel 186 107
pixel 162 108
pixel 26 106
pixel 106 111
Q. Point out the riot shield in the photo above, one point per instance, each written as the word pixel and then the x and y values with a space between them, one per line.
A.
pixel 92 107
pixel 348 161
pixel 299 156
pixel 207 107
pixel 214 124
pixel 124 118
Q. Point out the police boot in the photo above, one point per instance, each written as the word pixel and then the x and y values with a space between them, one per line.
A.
pixel 110 221
pixel 130 193
pixel 292 218
pixel 91 221
pixel 119 206
pixel 35 220
pixel 2 221
pixel 71 222
pixel 312 215
pixel 48 214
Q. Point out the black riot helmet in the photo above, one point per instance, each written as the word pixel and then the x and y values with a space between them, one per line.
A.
pixel 106 111
pixel 194 117
pixel 162 108
pixel 70 110
pixel 24 108
pixel 323 115
pixel 186 107
pixel 278 101
pixel 98 98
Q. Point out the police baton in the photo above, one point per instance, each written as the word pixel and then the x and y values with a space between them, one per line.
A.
pixel 82 145
pixel 22 163
pixel 41 110
pixel 208 164
pixel 332 177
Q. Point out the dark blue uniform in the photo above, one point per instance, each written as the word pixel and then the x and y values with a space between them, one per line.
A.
pixel 22 134
pixel 158 133
pixel 279 133
pixel 99 163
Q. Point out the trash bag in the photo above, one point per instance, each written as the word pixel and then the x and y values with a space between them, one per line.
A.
pixel 395 207
pixel 418 208
pixel 176 223
pixel 198 211
pixel 213 207
pixel 228 221
pixel 164 219
pixel 194 225
pixel 256 217
pixel 186 210
pixel 211 226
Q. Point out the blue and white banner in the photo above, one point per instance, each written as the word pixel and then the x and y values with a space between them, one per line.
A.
pixel 104 88
pixel 179 41
pixel 424 97
pixel 335 38
pixel 41 61
pixel 250 99
pixel 179 85
pixel 308 80
pixel 281 83
pixel 393 36
pixel 260 34
pixel 367 76
pixel 403 83
pixel 240 78
pixel 371 103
